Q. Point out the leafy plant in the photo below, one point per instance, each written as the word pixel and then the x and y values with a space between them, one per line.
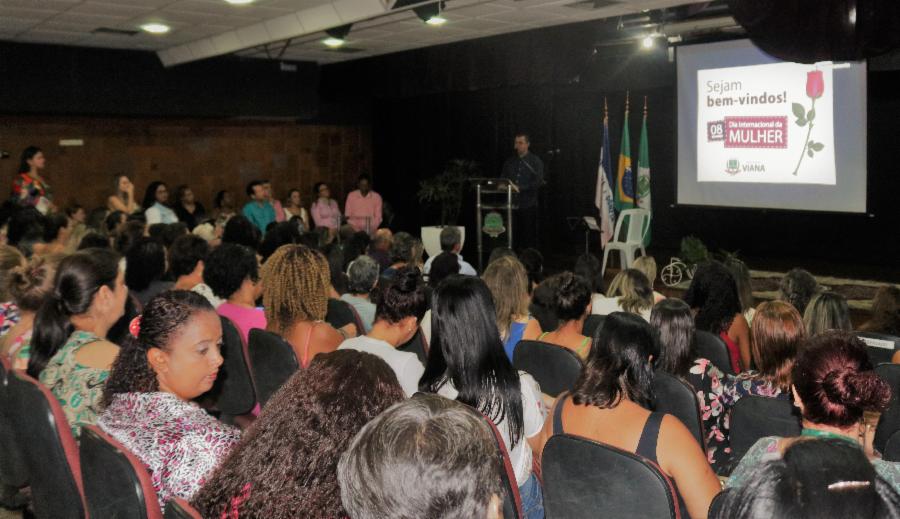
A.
pixel 693 251
pixel 446 188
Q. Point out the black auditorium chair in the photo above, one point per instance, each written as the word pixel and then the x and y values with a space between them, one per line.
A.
pixel 234 390
pixel 272 360
pixel 889 423
pixel 116 482
pixel 584 478
pixel 755 417
pixel 51 455
pixel 418 345
pixel 512 501
pixel 553 367
pixel 881 346
pixel 713 349
pixel 676 397
pixel 592 324
pixel 178 508
pixel 891 450
pixel 13 471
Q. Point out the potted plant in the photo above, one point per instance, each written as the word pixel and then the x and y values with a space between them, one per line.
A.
pixel 445 190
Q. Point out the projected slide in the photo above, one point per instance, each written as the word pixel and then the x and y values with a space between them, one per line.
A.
pixel 758 132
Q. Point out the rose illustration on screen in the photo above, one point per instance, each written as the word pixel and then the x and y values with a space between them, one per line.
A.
pixel 815 87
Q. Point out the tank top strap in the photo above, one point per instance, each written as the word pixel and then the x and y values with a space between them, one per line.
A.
pixel 541 336
pixel 557 413
pixel 586 343
pixel 305 360
pixel 650 436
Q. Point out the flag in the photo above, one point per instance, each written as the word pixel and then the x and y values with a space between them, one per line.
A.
pixel 603 195
pixel 625 179
pixel 643 178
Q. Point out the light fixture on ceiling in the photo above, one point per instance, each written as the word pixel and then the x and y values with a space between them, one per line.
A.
pixel 649 41
pixel 431 13
pixel 155 28
pixel 337 36
pixel 240 2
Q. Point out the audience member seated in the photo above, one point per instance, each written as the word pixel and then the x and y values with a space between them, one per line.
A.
pixel 10 259
pixel 325 210
pixel 647 266
pixel 258 210
pixel 223 207
pixel 146 261
pixel 280 233
pixel 25 229
pixel 93 240
pixel 156 204
pixel 827 311
pixel 610 404
pixel 57 229
pixel 797 288
pixel 572 305
pixel 588 266
pixel 812 479
pixel 114 223
pixel 305 426
pixel 508 282
pixel 451 242
pixel 542 305
pixel 187 259
pixel 885 312
pixel 674 322
pixel 239 230
pixel 232 273
pixel 173 358
pixel 293 208
pixel 397 467
pixel 122 199
pixel 467 362
pixel 295 298
pixel 630 291
pixel 713 297
pixel 442 266
pixel 533 261
pixel 406 250
pixel 833 385
pixel 741 275
pixel 363 275
pixel 499 252
pixel 130 233
pixel 189 211
pixel 400 305
pixel 69 354
pixel 28 285
pixel 380 248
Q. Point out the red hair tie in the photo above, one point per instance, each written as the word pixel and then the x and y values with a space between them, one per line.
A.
pixel 135 327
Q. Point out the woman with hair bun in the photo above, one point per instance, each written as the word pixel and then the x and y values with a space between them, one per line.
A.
pixel 172 356
pixel 28 286
pixel 399 306
pixel 572 305
pixel 833 384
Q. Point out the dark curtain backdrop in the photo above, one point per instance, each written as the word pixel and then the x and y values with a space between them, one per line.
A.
pixel 467 100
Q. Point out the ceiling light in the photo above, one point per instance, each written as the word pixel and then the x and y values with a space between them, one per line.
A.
pixel 333 42
pixel 239 2
pixel 155 28
pixel 337 36
pixel 647 42
pixel 431 13
pixel 436 20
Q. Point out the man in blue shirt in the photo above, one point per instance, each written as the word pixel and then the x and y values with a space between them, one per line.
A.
pixel 258 210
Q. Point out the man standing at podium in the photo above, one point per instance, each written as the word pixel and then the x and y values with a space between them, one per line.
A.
pixel 526 171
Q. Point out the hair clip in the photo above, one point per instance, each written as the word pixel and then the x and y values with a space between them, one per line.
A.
pixel 848 485
pixel 134 328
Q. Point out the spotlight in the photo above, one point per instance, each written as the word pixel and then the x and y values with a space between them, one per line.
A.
pixel 436 20
pixel 647 42
pixel 431 13
pixel 155 28
pixel 337 36
pixel 240 2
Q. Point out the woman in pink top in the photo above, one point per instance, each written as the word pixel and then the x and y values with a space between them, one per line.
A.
pixel 232 272
pixel 325 211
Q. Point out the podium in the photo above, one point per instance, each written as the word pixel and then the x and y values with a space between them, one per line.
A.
pixel 493 195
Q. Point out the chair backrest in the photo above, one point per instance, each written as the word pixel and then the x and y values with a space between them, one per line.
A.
pixel 272 360
pixel 418 345
pixel 555 368
pixel 593 323
pixel 713 349
pixel 234 385
pixel 512 501
pixel 116 482
pixel 50 452
pixel 889 423
pixel 675 397
pixel 178 508
pixel 891 451
pixel 13 471
pixel 584 478
pixel 755 417
pixel 638 225
pixel 881 346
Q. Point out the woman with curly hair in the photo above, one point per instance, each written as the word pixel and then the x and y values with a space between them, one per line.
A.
pixel 296 282
pixel 28 285
pixel 797 287
pixel 173 357
pixel 286 464
pixel 232 273
pixel 713 297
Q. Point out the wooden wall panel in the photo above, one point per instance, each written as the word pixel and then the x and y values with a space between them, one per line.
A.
pixel 208 155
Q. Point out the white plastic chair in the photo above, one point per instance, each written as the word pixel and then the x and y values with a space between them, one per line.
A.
pixel 638 226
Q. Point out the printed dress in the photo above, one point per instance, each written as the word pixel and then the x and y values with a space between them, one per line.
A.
pixel 78 388
pixel 709 386
pixel 178 441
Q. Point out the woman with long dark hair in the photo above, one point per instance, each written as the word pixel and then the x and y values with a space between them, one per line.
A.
pixel 156 204
pixel 69 352
pixel 123 198
pixel 611 401
pixel 467 363
pixel 187 208
pixel 29 188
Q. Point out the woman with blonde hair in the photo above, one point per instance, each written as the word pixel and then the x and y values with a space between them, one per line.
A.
pixel 508 282
pixel 647 265
pixel 630 291
pixel 827 311
pixel 296 281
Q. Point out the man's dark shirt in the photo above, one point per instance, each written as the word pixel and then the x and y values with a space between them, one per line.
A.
pixel 528 173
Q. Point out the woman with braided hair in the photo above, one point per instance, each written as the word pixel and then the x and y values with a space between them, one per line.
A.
pixel 296 280
pixel 172 356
